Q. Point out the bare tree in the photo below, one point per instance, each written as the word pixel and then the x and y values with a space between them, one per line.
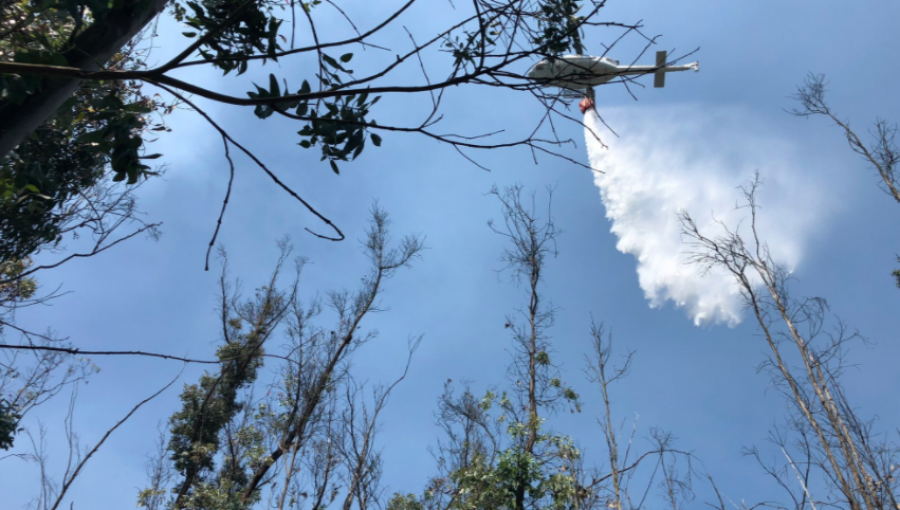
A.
pixel 498 450
pixel 882 154
pixel 631 472
pixel 836 457
pixel 52 492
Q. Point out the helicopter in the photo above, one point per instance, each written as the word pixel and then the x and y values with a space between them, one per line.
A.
pixel 577 75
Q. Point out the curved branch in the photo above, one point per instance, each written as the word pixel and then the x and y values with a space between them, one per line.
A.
pixel 224 203
pixel 263 166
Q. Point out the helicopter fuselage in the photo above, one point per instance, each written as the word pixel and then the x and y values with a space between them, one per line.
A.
pixel 578 72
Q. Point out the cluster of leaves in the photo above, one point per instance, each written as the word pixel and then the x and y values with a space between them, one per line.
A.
pixel 9 424
pixel 339 126
pixel 13 287
pixel 485 474
pixel 237 28
pixel 896 274
pixel 13 290
pixel 401 501
pixel 471 47
pixel 342 127
pixel 227 448
pixel 558 25
pixel 556 33
pixel 97 130
pixel 209 406
pixel 341 130
pixel 481 485
pixel 41 33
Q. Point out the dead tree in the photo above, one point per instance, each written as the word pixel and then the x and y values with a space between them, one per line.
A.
pixel 833 456
pixel 883 155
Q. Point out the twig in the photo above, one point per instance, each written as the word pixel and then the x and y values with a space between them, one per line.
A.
pixel 224 202
pixel 799 479
pixel 262 166
pixel 67 483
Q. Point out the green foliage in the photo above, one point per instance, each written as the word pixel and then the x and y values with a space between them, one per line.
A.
pixel 341 130
pixel 480 485
pixel 338 126
pixel 542 477
pixel 13 288
pixel 254 30
pixel 17 88
pixel 223 441
pixel 98 131
pixel 9 423
pixel 118 135
pixel 108 127
pixel 45 171
pixel 105 117
pixel 208 406
pixel 500 456
pixel 558 27
pixel 212 403
pixel 404 502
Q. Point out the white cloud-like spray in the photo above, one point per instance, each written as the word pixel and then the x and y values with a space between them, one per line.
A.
pixel 684 158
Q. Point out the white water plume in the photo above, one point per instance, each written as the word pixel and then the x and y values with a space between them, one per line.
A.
pixel 673 159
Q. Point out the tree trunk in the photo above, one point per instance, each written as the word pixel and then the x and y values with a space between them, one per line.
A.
pixel 90 50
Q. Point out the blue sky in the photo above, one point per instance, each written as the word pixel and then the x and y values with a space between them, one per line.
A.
pixel 698 382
